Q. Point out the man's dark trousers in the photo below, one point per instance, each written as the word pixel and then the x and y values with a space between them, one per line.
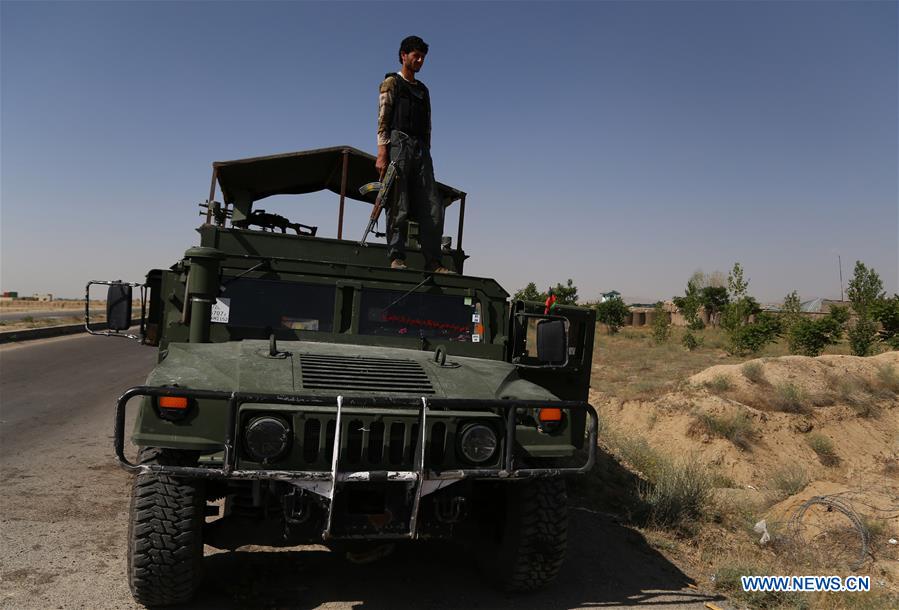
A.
pixel 414 197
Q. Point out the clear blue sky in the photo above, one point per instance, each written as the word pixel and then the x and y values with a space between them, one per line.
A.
pixel 622 144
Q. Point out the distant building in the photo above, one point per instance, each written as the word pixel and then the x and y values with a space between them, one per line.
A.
pixel 43 297
pixel 608 296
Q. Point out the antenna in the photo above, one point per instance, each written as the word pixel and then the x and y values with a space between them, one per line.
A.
pixel 840 264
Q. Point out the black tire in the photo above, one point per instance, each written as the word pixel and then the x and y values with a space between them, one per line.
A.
pixel 524 534
pixel 165 533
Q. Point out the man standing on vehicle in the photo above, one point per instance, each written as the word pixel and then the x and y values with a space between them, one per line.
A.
pixel 404 137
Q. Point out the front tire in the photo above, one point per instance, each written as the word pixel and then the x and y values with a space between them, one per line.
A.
pixel 165 532
pixel 524 534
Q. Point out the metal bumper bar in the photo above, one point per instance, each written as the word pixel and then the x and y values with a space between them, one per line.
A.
pixel 422 405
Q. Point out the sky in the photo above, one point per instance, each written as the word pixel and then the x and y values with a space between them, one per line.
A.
pixel 624 145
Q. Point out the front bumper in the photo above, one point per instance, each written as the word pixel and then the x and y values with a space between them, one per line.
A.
pixel 421 478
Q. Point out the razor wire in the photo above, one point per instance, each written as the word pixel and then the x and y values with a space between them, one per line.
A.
pixel 832 502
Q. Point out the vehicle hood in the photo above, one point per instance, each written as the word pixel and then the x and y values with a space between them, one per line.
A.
pixel 307 368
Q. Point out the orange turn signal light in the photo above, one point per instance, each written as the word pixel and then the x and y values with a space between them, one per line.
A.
pixel 550 414
pixel 173 402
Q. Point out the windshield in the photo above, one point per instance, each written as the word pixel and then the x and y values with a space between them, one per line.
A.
pixel 420 314
pixel 254 303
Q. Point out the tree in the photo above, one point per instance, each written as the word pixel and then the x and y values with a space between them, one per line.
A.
pixel 612 313
pixel 689 304
pixel 886 311
pixel 661 324
pixel 530 293
pixel 748 328
pixel 865 291
pixel 567 294
pixel 791 310
pixel 714 299
pixel 736 285
pixel 808 337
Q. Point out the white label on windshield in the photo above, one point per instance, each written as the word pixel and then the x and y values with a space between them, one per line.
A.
pixel 476 338
pixel 467 300
pixel 475 317
pixel 571 351
pixel 221 310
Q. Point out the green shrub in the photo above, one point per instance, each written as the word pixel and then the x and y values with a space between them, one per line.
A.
pixel 886 311
pixel 754 372
pixel 862 336
pixel 751 337
pixel 866 293
pixel 808 337
pixel 691 341
pixel 612 313
pixel 661 324
pixel 823 446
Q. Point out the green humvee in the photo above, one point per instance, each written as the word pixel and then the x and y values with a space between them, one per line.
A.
pixel 306 392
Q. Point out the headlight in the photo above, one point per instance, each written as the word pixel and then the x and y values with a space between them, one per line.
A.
pixel 266 438
pixel 478 443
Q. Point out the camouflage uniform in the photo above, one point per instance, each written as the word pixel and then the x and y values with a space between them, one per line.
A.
pixel 414 196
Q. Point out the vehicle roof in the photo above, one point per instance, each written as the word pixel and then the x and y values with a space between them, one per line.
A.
pixel 306 171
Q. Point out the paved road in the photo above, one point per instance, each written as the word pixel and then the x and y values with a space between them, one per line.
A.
pixel 63 510
pixel 48 313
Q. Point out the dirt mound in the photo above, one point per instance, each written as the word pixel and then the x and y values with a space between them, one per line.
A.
pixel 813 377
pixel 781 437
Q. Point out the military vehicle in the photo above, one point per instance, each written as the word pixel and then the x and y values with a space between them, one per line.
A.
pixel 305 392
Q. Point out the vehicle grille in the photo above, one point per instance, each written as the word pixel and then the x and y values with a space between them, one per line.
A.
pixel 364 374
pixel 385 443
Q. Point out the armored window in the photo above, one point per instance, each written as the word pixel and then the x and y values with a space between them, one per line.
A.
pixel 254 303
pixel 419 314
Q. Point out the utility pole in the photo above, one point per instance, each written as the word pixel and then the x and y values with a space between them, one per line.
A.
pixel 840 263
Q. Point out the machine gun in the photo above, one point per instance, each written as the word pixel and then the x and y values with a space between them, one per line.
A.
pixel 264 220
pixel 383 188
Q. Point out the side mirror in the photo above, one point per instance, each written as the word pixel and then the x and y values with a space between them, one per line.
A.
pixel 552 342
pixel 539 341
pixel 118 307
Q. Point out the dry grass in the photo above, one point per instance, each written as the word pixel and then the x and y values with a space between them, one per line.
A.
pixel 630 366
pixel 737 428
pixel 754 372
pixel 727 580
pixel 790 399
pixel 679 495
pixel 790 480
pixel 675 494
pixel 888 378
pixel 719 385
pixel 823 446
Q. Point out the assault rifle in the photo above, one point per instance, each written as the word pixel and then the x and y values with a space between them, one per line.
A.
pixel 264 220
pixel 383 188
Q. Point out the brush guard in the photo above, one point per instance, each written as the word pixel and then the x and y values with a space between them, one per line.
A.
pixel 329 481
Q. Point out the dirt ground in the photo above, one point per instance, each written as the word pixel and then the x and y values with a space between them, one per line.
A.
pixel 809 445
